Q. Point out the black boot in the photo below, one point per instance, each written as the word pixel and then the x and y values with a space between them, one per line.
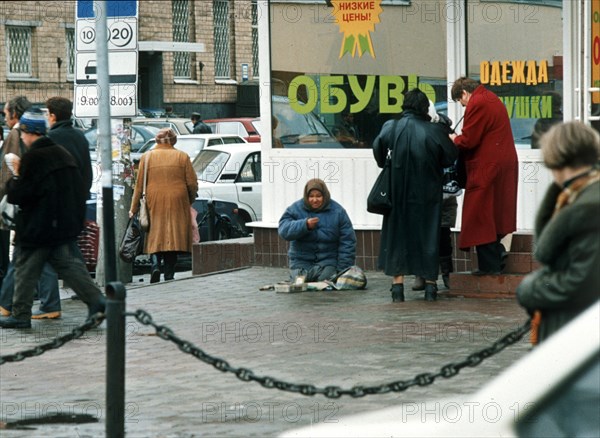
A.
pixel 397 292
pixel 155 268
pixel 446 268
pixel 170 259
pixel 430 292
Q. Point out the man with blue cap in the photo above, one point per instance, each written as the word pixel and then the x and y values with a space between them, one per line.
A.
pixel 49 190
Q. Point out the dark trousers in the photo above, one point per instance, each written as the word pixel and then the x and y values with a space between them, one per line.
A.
pixel 4 251
pixel 490 256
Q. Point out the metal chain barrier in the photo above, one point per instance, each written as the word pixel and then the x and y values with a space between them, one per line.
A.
pixel 246 375
pixel 76 333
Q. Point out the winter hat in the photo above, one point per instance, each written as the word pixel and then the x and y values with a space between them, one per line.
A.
pixel 33 121
pixel 166 136
pixel 316 184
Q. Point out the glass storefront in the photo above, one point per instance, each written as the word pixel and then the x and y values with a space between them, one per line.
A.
pixel 340 68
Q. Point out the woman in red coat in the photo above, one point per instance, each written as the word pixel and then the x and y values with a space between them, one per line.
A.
pixel 488 149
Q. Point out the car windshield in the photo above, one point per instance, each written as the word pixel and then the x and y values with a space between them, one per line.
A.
pixel 209 164
pixel 191 146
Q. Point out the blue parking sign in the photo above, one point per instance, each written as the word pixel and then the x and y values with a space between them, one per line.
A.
pixel 114 8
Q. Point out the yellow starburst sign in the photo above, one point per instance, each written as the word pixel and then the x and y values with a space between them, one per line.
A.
pixel 356 18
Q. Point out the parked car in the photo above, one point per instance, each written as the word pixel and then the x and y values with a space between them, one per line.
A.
pixel 232 173
pixel 246 127
pixel 297 130
pixel 191 144
pixel 179 125
pixel 140 135
pixel 552 391
pixel 152 112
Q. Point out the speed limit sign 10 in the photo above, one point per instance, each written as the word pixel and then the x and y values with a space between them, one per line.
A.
pixel 121 34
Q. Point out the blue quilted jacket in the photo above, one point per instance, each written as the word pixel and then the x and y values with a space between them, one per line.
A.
pixel 331 243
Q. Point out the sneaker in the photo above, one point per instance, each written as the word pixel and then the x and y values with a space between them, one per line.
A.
pixel 40 314
pixel 4 312
pixel 12 322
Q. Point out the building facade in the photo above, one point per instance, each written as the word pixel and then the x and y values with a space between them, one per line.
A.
pixel 193 55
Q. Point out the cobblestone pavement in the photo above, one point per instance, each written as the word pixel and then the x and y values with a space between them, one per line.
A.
pixel 342 338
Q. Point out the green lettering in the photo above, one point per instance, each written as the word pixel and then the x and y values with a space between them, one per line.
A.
pixel 390 88
pixel 522 107
pixel 546 107
pixel 535 107
pixel 363 96
pixel 311 94
pixel 509 102
pixel 330 92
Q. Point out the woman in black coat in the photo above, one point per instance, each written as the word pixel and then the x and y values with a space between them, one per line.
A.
pixel 567 232
pixel 410 234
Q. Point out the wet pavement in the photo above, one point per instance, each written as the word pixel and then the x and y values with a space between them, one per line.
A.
pixel 340 338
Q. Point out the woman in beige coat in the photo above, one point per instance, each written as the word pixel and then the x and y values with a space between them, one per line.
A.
pixel 170 190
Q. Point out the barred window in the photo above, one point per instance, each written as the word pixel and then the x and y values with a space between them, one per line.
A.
pixel 254 39
pixel 70 38
pixel 19 51
pixel 181 33
pixel 222 39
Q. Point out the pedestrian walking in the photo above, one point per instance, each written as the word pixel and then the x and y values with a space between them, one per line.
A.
pixel 47 287
pixel 488 152
pixel 171 188
pixel 567 232
pixel 410 233
pixel 320 232
pixel 49 190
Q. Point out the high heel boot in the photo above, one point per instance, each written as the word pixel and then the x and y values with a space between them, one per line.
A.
pixel 397 292
pixel 430 292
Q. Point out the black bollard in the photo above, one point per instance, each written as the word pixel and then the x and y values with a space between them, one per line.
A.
pixel 211 219
pixel 115 360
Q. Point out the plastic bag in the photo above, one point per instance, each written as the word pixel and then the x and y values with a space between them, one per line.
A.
pixel 132 243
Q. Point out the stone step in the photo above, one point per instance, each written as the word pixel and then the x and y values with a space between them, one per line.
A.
pixel 467 285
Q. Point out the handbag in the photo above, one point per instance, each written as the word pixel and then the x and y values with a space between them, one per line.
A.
pixel 132 243
pixel 379 200
pixel 8 213
pixel 144 214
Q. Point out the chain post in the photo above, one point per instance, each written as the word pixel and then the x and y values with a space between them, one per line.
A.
pixel 212 214
pixel 115 360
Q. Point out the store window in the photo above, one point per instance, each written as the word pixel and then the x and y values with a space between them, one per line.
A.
pixel 18 49
pixel 340 69
pixel 255 62
pixel 515 50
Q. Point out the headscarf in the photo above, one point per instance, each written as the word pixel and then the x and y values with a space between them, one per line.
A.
pixel 316 184
pixel 166 136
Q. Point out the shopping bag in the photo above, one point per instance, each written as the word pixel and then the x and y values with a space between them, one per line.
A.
pixel 132 243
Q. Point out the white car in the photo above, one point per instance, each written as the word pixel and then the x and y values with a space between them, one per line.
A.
pixel 554 391
pixel 192 144
pixel 232 173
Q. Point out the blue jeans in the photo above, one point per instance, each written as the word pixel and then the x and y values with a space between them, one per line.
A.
pixel 67 261
pixel 46 288
pixel 314 273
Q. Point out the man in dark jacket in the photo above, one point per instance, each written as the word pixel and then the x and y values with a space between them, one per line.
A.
pixel 48 188
pixel 62 132
pixel 199 126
